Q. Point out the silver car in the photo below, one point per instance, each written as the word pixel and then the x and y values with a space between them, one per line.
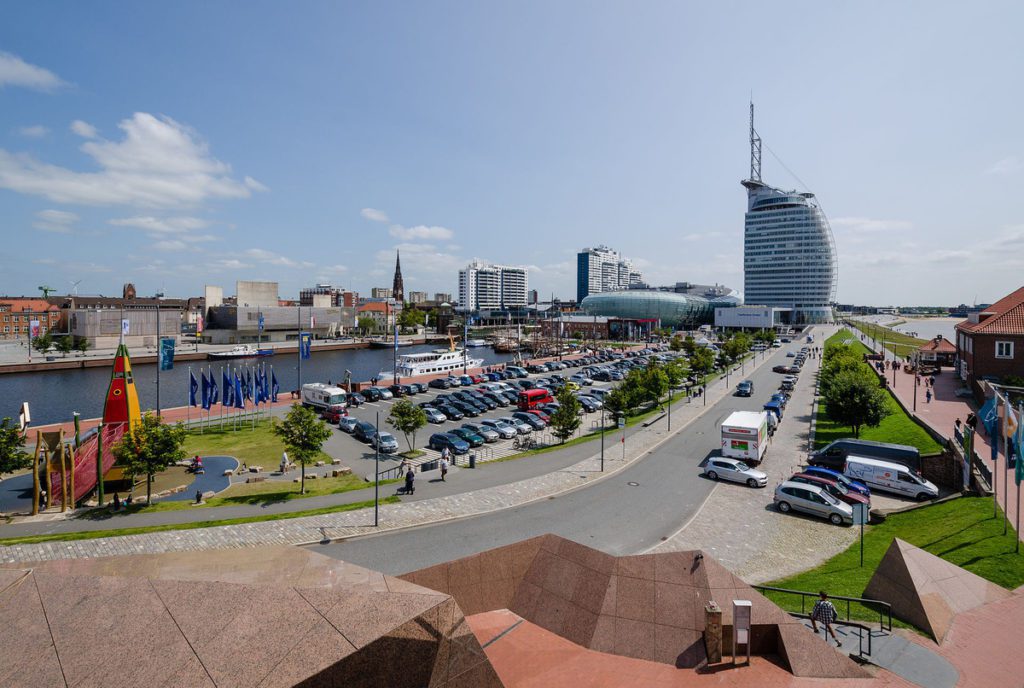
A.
pixel 521 427
pixel 735 471
pixel 489 434
pixel 506 431
pixel 434 416
pixel 813 500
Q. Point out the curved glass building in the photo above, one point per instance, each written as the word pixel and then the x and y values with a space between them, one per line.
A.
pixel 673 309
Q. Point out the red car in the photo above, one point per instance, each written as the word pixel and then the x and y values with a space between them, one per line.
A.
pixel 834 488
pixel 540 414
pixel 333 415
pixel 477 379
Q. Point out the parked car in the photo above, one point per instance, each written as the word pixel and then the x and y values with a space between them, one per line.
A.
pixel 593 399
pixel 467 409
pixel 505 430
pixel 489 434
pixel 852 485
pixel 439 383
pixel 372 394
pixel 466 380
pixel 834 454
pixel 347 424
pixel 813 500
pixel 442 440
pixel 385 393
pixel 890 477
pixel 398 390
pixel 467 436
pixel 452 412
pixel 835 488
pixel 588 404
pixel 434 415
pixel 735 471
pixel 386 441
pixel 497 399
pixel 522 427
pixel 530 419
pixel 333 415
pixel 454 381
pixel 356 399
pixel 363 431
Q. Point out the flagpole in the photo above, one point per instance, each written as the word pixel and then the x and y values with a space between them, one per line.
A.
pixel 188 400
pixel 1017 472
pixel 255 398
pixel 1006 462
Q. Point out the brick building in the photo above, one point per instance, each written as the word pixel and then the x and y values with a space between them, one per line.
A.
pixel 990 343
pixel 382 312
pixel 17 314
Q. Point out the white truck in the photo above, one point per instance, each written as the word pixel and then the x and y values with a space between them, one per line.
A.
pixel 889 477
pixel 745 436
pixel 322 397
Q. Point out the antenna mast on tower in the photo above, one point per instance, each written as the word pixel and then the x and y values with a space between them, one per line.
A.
pixel 755 149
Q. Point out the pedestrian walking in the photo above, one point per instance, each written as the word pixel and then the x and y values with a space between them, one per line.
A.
pixel 199 497
pixel 444 468
pixel 825 612
pixel 404 466
pixel 928 396
pixel 410 477
pixel 972 420
pixel 932 380
pixel 284 462
pixel 918 381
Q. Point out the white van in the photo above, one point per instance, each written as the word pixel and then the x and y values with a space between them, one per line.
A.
pixel 321 397
pixel 890 477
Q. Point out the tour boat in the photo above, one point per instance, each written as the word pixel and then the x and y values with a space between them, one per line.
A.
pixel 241 351
pixel 433 363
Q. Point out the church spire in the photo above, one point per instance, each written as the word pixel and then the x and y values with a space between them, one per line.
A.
pixel 397 288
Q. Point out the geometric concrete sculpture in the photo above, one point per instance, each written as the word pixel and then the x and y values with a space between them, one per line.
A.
pixel 926 590
pixel 263 616
pixel 647 607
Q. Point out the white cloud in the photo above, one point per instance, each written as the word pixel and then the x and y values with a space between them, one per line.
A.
pixel 255 185
pixel 419 259
pixel 421 232
pixel 16 72
pixel 84 129
pixel 161 225
pixel 865 224
pixel 170 245
pixel 158 163
pixel 374 214
pixel 57 221
pixel 1008 165
pixel 36 131
pixel 271 258
pixel 227 264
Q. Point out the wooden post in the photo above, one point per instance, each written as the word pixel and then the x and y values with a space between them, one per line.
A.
pixel 35 475
pixel 63 473
pixel 46 463
pixel 71 470
pixel 99 464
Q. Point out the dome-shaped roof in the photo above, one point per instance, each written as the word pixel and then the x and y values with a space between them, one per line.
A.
pixel 670 308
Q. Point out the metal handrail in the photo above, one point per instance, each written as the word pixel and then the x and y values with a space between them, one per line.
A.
pixel 804 594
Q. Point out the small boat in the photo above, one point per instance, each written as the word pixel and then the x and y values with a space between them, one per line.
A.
pixel 241 351
pixel 476 342
pixel 389 343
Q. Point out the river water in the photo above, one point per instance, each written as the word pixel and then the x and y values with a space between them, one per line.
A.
pixel 55 395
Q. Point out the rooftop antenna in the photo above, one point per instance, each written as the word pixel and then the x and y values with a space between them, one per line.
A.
pixel 755 149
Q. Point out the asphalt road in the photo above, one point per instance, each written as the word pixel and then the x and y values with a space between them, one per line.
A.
pixel 626 513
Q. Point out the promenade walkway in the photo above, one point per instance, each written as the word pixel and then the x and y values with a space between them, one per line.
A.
pixel 408 513
pixel 942 413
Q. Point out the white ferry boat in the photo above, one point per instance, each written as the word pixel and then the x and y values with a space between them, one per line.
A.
pixel 433 363
pixel 242 351
pixel 476 342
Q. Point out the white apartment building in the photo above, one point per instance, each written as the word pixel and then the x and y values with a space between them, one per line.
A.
pixel 491 287
pixel 601 269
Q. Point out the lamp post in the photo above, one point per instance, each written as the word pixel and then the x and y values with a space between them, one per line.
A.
pixel 159 352
pixel 376 474
pixel 671 390
pixel 602 438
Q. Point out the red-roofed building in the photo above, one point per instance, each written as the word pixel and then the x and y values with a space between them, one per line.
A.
pixel 990 344
pixel 939 351
pixel 382 312
pixel 17 314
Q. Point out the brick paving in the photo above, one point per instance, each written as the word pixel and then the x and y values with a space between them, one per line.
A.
pixel 309 529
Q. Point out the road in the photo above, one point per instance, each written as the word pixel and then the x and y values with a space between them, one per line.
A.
pixel 624 514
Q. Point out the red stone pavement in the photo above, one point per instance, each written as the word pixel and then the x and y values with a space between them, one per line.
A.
pixel 528 656
pixel 941 414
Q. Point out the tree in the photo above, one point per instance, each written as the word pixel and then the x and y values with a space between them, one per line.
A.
pixel 407 418
pixel 65 344
pixel 566 418
pixel 689 345
pixel 43 343
pixel 411 317
pixel 82 344
pixel 150 446
pixel 676 343
pixel 303 434
pixel 13 457
pixel 702 361
pixel 856 400
pixel 367 324
pixel 653 383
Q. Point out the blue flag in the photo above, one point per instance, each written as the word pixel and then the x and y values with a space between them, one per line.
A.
pixel 225 382
pixel 305 345
pixel 237 394
pixel 989 416
pixel 206 391
pixel 262 384
pixel 214 392
pixel 246 384
pixel 266 385
pixel 193 387
pixel 257 388
pixel 274 387
pixel 167 353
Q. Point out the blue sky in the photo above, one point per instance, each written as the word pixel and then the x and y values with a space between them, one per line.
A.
pixel 180 144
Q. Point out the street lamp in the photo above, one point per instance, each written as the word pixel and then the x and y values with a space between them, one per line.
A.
pixel 602 437
pixel 159 351
pixel 376 474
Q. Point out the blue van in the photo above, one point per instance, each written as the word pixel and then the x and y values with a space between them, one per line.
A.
pixel 854 485
pixel 774 407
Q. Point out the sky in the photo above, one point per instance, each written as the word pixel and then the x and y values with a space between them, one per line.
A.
pixel 174 145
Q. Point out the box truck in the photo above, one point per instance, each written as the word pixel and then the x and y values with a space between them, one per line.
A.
pixel 745 436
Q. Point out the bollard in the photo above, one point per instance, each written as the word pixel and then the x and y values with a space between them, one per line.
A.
pixel 472 460
pixel 713 632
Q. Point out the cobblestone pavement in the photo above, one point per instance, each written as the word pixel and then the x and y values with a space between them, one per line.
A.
pixel 312 529
pixel 739 525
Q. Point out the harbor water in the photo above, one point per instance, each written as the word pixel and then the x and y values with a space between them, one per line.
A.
pixel 55 395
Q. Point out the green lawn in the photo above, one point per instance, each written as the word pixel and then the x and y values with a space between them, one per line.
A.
pixel 900 344
pixel 897 427
pixel 92 534
pixel 961 531
pixel 259 447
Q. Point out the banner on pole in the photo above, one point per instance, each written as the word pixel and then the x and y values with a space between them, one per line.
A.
pixel 305 345
pixel 125 327
pixel 33 328
pixel 166 353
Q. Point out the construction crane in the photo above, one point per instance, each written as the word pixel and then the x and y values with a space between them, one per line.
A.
pixel 46 291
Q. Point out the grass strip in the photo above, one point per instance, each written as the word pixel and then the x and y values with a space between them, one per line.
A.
pixel 115 532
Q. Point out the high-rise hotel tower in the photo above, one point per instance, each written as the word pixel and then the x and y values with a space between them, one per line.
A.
pixel 789 255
